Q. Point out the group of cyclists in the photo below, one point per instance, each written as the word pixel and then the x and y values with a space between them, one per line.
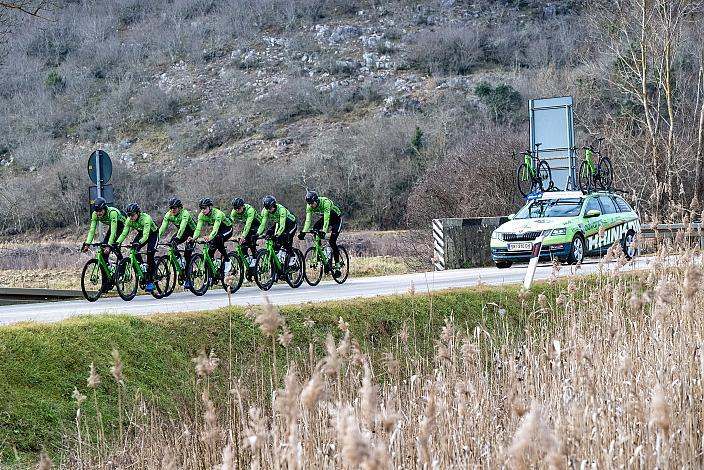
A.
pixel 190 229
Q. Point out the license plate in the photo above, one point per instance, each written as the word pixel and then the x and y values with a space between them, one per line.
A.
pixel 527 246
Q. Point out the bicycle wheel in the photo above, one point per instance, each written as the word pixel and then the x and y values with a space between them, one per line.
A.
pixel 605 171
pixel 312 267
pixel 127 279
pixel 342 268
pixel 294 268
pixel 584 177
pixel 544 177
pixel 264 270
pixel 524 179
pixel 161 277
pixel 92 280
pixel 199 274
pixel 232 280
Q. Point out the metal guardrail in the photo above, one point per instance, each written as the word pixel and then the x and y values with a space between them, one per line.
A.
pixel 12 295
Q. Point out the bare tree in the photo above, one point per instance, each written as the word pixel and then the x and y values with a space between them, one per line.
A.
pixel 29 7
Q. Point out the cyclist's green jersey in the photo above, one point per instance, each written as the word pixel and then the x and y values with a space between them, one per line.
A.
pixel 325 206
pixel 181 220
pixel 248 215
pixel 280 215
pixel 144 224
pixel 112 216
pixel 216 218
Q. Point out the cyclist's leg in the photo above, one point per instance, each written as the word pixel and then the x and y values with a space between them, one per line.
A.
pixel 250 242
pixel 336 228
pixel 219 240
pixel 141 245
pixel 151 253
pixel 188 248
pixel 287 237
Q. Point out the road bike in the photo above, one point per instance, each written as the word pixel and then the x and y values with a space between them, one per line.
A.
pixel 247 262
pixel 177 268
pixel 98 275
pixel 599 176
pixel 319 260
pixel 271 266
pixel 204 272
pixel 131 274
pixel 533 174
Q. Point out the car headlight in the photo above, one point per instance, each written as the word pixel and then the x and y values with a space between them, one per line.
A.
pixel 559 231
pixel 497 235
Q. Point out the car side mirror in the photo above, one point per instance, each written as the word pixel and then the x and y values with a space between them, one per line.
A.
pixel 592 213
pixel 511 216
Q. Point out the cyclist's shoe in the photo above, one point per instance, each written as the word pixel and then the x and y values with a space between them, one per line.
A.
pixel 227 266
pixel 337 273
pixel 187 284
pixel 248 274
pixel 326 269
pixel 149 287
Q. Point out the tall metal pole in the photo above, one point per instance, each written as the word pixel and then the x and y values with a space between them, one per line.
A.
pixel 99 188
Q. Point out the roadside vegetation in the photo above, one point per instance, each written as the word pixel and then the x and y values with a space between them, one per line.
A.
pixel 583 370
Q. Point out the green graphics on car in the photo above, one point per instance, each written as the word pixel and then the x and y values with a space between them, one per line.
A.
pixel 572 224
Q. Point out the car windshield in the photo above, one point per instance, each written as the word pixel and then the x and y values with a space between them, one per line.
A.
pixel 550 208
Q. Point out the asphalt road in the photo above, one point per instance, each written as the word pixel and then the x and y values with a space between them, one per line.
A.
pixel 282 294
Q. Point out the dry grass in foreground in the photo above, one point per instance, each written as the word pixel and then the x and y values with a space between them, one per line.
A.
pixel 616 381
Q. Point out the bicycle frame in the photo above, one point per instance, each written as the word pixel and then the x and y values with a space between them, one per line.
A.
pixel 207 259
pixel 528 160
pixel 102 263
pixel 173 259
pixel 134 262
pixel 269 247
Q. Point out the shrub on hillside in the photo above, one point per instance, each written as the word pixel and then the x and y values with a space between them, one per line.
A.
pixel 450 51
pixel 155 106
pixel 502 101
pixel 476 179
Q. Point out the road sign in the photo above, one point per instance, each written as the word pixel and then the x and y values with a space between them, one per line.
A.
pixel 106 191
pixel 99 167
pixel 552 126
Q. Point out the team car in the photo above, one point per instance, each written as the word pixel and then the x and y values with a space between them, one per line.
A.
pixel 569 222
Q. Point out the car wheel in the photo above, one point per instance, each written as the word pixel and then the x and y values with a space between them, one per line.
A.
pixel 577 252
pixel 627 244
pixel 503 264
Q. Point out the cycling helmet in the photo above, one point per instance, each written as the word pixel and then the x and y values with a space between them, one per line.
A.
pixel 205 202
pixel 100 204
pixel 237 203
pixel 269 201
pixel 311 197
pixel 132 208
pixel 175 202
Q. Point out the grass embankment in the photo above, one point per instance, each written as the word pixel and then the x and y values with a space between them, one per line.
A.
pixel 41 364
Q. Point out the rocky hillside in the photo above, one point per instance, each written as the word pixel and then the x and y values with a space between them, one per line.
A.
pixel 371 102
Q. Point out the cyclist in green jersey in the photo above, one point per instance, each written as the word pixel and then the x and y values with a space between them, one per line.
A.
pixel 110 216
pixel 286 224
pixel 252 219
pixel 331 218
pixel 221 232
pixel 147 234
pixel 186 224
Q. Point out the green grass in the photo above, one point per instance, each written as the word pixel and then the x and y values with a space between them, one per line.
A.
pixel 40 364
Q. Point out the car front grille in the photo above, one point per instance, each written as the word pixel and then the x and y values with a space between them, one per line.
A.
pixel 521 237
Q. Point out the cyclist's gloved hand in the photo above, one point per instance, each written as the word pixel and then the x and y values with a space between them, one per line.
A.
pixel 84 247
pixel 321 235
pixel 135 245
pixel 301 235
pixel 173 241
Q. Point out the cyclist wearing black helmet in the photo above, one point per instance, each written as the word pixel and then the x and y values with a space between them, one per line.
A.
pixel 251 218
pixel 285 223
pixel 147 234
pixel 186 224
pixel 110 216
pixel 331 217
pixel 222 229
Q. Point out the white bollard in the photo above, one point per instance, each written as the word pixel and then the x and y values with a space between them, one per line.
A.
pixel 533 263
